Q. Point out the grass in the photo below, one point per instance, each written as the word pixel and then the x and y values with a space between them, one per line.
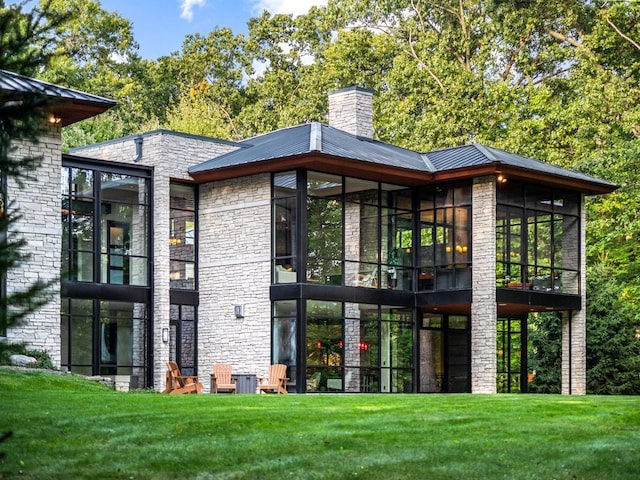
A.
pixel 66 427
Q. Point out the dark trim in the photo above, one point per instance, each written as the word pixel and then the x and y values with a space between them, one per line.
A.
pixel 91 291
pixel 339 293
pixel 184 297
pixel 557 301
pixel 73 161
pixel 443 297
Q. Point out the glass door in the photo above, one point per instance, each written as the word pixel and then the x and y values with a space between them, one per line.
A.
pixel 512 363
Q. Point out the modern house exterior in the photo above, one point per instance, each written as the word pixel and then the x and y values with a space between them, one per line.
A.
pixel 362 266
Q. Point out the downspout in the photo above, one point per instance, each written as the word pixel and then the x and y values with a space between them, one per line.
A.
pixel 138 141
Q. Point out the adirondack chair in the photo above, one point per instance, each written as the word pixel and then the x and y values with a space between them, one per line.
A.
pixel 275 381
pixel 177 383
pixel 221 379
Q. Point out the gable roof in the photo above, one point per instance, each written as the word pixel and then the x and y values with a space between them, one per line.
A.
pixel 319 146
pixel 66 103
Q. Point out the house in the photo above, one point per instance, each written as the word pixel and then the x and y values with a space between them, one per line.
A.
pixel 362 266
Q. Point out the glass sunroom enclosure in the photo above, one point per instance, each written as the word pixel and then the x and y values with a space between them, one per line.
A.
pixel 372 282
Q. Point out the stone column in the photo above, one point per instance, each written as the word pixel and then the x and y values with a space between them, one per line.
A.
pixel 484 309
pixel 574 330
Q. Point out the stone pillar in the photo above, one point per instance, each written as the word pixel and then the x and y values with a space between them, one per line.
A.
pixel 484 309
pixel 351 110
pixel 38 203
pixel 574 330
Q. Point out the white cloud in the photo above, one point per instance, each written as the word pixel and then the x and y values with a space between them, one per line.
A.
pixel 187 8
pixel 296 7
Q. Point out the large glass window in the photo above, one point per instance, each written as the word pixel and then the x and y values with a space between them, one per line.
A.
pixel 358 348
pixel 104 337
pixel 285 227
pixel 445 238
pixel 324 228
pixel 357 232
pixel 182 236
pixel 538 239
pixel 511 363
pixel 183 341
pixel 284 337
pixel 105 217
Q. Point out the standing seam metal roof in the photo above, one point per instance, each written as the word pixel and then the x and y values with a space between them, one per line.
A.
pixel 317 138
pixel 13 82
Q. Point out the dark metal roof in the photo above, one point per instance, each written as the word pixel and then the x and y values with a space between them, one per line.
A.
pixel 316 138
pixel 317 143
pixel 71 105
pixel 475 155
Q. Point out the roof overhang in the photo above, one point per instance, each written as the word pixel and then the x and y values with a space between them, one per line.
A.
pixel 320 162
pixel 509 173
pixel 63 106
pixel 400 176
pixel 68 112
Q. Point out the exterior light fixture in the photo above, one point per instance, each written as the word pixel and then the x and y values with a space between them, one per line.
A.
pixel 54 119
pixel 165 334
pixel 501 178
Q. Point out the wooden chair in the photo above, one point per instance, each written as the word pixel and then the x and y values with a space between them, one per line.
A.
pixel 221 379
pixel 177 383
pixel 275 380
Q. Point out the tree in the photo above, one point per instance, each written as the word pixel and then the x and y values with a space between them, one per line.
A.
pixel 25 41
pixel 25 45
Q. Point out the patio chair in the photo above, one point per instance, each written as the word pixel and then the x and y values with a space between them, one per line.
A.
pixel 221 379
pixel 177 383
pixel 275 381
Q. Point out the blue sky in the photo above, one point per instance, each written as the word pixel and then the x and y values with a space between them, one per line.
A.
pixel 160 25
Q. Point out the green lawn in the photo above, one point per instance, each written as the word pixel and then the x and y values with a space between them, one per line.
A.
pixel 67 428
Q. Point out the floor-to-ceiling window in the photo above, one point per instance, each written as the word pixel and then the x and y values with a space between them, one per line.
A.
pixel 183 248
pixel 511 355
pixel 334 231
pixel 445 238
pixel 105 317
pixel 355 347
pixel 354 232
pixel 538 239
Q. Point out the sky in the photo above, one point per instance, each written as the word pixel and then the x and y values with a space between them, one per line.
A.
pixel 160 26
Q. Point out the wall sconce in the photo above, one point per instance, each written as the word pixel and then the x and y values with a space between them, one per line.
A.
pixel 502 178
pixel 54 119
pixel 165 334
pixel 238 311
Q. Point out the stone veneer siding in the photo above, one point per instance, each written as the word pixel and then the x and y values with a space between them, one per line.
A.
pixel 235 269
pixel 171 155
pixel 38 202
pixel 574 329
pixel 484 309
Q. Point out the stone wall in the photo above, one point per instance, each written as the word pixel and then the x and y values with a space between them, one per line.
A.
pixel 38 202
pixel 235 269
pixel 483 308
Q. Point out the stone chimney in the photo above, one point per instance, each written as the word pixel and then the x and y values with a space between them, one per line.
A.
pixel 351 110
